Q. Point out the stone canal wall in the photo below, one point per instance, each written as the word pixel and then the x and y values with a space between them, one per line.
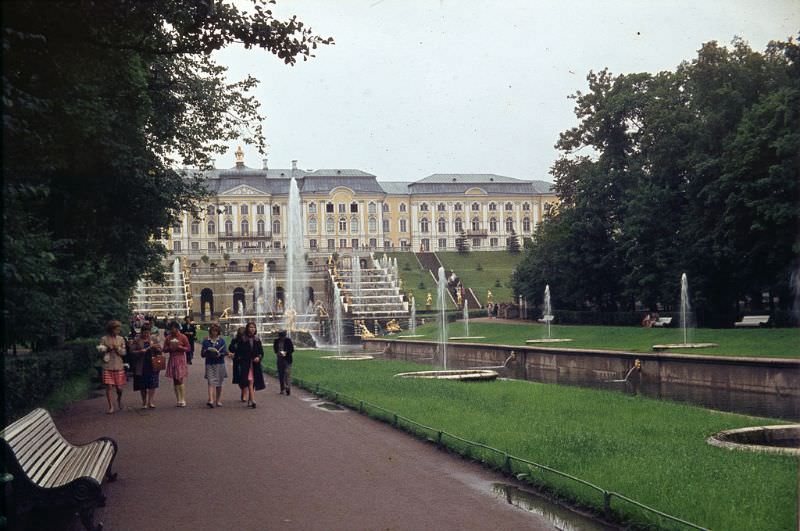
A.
pixel 566 365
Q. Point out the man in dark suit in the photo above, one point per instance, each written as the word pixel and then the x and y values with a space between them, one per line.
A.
pixel 284 347
pixel 189 329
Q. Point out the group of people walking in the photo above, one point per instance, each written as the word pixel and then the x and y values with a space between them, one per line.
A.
pixel 146 357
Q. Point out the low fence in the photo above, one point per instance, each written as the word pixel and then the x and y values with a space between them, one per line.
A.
pixel 545 477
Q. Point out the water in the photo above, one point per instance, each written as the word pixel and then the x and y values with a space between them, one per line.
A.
pixel 241 313
pixel 295 262
pixel 686 309
pixel 356 266
pixel 177 288
pixel 466 318
pixel 259 300
pixel 441 300
pixel 412 321
pixel 548 309
pixel 271 294
pixel 559 516
pixel 337 331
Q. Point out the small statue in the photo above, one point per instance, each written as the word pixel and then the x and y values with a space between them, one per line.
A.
pixel 428 301
pixel 489 296
pixel 459 300
pixel 224 313
pixel 280 305
pixel 291 316
pixel 392 326
pixel 365 331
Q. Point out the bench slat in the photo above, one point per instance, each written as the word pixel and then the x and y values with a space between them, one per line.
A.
pixel 44 472
pixel 28 442
pixel 99 470
pixel 63 472
pixel 34 457
pixel 19 426
pixel 83 465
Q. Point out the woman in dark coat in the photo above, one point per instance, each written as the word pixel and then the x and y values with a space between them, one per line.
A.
pixel 235 342
pixel 145 379
pixel 249 354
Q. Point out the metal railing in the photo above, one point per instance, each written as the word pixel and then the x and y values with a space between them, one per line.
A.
pixel 529 471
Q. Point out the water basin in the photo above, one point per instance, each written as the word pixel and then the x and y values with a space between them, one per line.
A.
pixel 477 375
pixel 781 439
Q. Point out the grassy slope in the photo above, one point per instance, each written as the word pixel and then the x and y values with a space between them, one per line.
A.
pixel 756 342
pixel 652 451
pixel 412 274
pixel 497 265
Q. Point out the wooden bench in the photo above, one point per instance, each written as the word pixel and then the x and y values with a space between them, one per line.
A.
pixel 753 321
pixel 662 322
pixel 48 470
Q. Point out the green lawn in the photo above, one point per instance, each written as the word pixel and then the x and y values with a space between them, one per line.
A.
pixel 495 265
pixel 412 274
pixel 649 450
pixel 756 342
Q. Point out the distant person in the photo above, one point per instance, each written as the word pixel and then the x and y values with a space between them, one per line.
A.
pixel 235 342
pixel 249 354
pixel 284 348
pixel 112 347
pixel 495 310
pixel 647 322
pixel 214 351
pixel 145 379
pixel 189 329
pixel 177 345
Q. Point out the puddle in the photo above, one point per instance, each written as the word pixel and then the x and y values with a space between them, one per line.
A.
pixel 310 399
pixel 562 518
pixel 329 406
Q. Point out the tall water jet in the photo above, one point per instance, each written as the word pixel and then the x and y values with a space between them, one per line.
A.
pixel 412 321
pixel 241 313
pixel 177 288
pixel 337 320
pixel 356 279
pixel 295 262
pixel 271 294
pixel 686 309
pixel 258 300
pixel 548 309
pixel 441 300
pixel 466 317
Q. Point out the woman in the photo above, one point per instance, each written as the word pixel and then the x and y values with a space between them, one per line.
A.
pixel 249 353
pixel 145 379
pixel 177 345
pixel 112 347
pixel 214 351
pixel 235 342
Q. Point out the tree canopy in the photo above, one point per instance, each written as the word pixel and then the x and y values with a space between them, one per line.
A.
pixel 694 170
pixel 102 101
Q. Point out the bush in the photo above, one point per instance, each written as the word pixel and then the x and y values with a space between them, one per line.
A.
pixel 31 378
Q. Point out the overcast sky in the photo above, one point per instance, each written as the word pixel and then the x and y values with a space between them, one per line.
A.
pixel 415 87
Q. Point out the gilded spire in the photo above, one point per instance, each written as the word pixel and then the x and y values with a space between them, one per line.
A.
pixel 239 157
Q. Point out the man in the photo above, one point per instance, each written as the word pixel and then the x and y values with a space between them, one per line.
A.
pixel 189 329
pixel 284 347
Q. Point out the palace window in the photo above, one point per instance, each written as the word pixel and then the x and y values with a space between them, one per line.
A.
pixel 276 210
pixel 385 207
pixel 442 225
pixel 276 227
pixel 260 209
pixel 476 242
pixel 228 210
pixel 228 227
pixel 423 207
pixel 212 247
pixel 526 207
pixel 329 208
pixel 423 225
pixel 195 227
pixel 476 207
pixel 459 225
pixel 245 228
pixel 492 242
pixel 342 243
pixel 342 225
pixel 509 224
pixel 312 225
pixel 312 208
pixel 342 208
pixel 492 207
pixel 353 207
pixel 440 207
pixel 458 207
pixel 260 227
pixel 176 246
pixel 243 210
pixel 526 224
pixel 403 225
pixel 331 244
pixel 385 225
pixel 211 210
pixel 402 207
pixel 547 208
pixel 212 227
pixel 195 246
pixel 372 208
pixel 176 229
pixel 354 225
pixel 492 224
pixel 442 243
pixel 312 243
pixel 476 224
pixel 330 225
pixel 509 207
pixel 373 225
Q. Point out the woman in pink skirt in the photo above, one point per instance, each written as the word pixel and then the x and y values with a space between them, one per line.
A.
pixel 177 345
pixel 112 348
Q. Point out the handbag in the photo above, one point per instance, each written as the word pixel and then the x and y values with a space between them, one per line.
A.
pixel 159 362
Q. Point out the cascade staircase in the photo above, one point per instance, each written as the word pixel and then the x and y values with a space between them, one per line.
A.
pixel 172 299
pixel 375 296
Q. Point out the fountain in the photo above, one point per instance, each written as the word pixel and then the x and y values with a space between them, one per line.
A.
pixel 465 317
pixel 686 322
pixel 461 375
pixel 240 308
pixel 295 262
pixel 547 318
pixel 171 300
pixel 356 268
pixel 412 321
pixel 337 332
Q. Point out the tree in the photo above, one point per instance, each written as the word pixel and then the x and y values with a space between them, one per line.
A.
pixel 102 100
pixel 512 243
pixel 462 244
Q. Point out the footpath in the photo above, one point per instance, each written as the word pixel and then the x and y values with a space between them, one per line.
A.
pixel 287 464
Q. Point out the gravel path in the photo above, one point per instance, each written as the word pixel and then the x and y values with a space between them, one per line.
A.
pixel 287 464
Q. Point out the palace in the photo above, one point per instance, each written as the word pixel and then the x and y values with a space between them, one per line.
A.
pixel 348 209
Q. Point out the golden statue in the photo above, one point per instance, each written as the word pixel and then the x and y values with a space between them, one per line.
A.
pixel 459 300
pixel 225 313
pixel 365 331
pixel 392 326
pixel 239 155
pixel 489 296
pixel 291 317
pixel 279 305
pixel 428 301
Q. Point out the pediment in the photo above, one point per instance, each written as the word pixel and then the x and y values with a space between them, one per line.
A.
pixel 476 191
pixel 244 189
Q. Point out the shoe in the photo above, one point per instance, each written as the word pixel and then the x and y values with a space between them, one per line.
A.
pixel 219 404
pixel 151 406
pixel 210 405
pixel 253 405
pixel 288 392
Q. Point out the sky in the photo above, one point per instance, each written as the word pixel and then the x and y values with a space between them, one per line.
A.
pixel 415 87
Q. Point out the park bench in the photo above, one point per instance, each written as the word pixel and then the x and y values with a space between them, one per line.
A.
pixel 753 321
pixel 662 322
pixel 49 471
